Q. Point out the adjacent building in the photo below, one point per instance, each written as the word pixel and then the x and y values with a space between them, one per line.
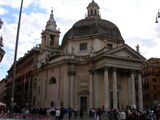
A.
pixel 93 67
pixel 151 82
pixel 23 82
pixel 3 90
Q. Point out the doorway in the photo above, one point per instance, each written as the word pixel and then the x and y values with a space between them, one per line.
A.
pixel 83 103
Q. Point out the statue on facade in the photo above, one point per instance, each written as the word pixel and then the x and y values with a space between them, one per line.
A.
pixel 137 48
pixel 105 43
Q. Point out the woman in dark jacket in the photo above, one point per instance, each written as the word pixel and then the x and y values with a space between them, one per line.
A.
pixel 81 113
pixel 130 116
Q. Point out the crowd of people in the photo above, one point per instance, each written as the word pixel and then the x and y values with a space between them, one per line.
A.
pixel 93 114
pixel 96 114
pixel 124 114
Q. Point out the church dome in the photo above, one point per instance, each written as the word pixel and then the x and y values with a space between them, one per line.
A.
pixel 93 26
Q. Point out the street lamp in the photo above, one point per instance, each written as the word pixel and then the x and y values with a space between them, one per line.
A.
pixel 158 16
pixel 15 58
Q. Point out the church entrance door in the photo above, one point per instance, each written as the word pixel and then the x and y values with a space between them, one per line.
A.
pixel 83 103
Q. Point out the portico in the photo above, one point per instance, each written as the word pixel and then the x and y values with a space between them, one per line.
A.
pixel 115 93
pixel 117 78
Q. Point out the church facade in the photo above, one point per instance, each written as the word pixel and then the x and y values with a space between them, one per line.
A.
pixel 93 67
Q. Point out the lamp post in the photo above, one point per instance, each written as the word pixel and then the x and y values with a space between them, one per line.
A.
pixel 15 58
pixel 158 16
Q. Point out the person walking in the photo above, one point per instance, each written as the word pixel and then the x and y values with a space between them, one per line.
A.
pixel 98 113
pixel 69 113
pixel 75 113
pixel 81 114
pixel 122 115
pixel 61 113
pixel 57 114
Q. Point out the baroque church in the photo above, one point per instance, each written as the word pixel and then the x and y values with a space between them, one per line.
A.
pixel 93 67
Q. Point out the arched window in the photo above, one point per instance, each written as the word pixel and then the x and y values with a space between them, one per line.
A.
pixel 52 81
pixel 95 12
pixel 52 37
pixel 91 12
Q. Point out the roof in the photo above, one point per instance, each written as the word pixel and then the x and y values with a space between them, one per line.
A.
pixel 93 26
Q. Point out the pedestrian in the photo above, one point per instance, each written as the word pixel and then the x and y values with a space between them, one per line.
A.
pixel 81 114
pixel 75 113
pixel 98 113
pixel 130 116
pixel 122 115
pixel 69 113
pixel 61 113
pixel 57 114
pixel 53 111
pixel 90 113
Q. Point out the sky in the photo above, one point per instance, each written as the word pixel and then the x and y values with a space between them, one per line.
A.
pixel 134 18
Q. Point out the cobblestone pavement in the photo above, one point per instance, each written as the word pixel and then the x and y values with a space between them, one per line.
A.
pixel 85 117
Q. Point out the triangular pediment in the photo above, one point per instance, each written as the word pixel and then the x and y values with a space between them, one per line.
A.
pixel 124 51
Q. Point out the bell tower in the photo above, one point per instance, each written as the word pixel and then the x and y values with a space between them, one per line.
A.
pixel 50 36
pixel 49 42
pixel 93 10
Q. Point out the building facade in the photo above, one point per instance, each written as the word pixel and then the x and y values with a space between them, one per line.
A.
pixel 93 67
pixel 3 90
pixel 151 82
pixel 2 52
pixel 23 89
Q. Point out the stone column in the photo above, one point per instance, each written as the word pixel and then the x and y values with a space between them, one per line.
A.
pixel 133 88
pixel 129 91
pixel 71 90
pixel 66 87
pixel 140 95
pixel 42 89
pixel 96 90
pixel 114 88
pixel 75 93
pixel 91 98
pixel 106 89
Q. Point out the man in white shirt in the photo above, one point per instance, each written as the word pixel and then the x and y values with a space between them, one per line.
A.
pixel 122 115
pixel 57 114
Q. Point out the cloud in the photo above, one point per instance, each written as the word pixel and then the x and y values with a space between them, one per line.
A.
pixel 7 59
pixel 157 30
pixel 16 3
pixel 3 11
pixel 30 35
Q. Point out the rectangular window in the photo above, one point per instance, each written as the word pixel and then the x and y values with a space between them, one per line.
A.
pixel 109 46
pixel 83 46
